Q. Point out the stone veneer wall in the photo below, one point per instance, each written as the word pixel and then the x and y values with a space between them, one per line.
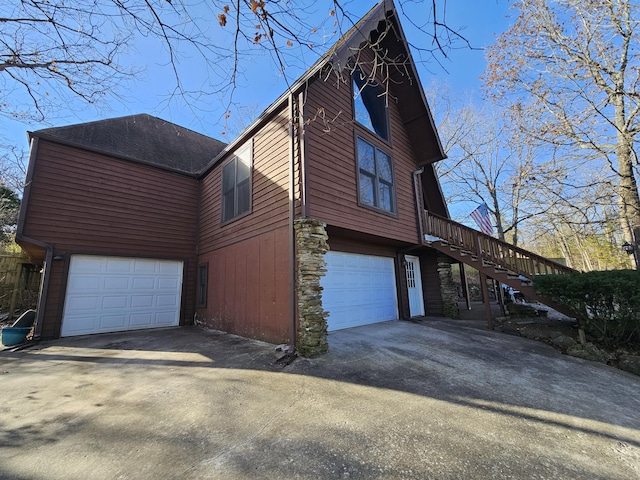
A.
pixel 311 245
pixel 447 287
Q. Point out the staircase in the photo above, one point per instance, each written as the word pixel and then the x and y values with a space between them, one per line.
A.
pixel 506 263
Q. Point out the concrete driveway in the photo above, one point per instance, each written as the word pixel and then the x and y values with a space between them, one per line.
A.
pixel 439 399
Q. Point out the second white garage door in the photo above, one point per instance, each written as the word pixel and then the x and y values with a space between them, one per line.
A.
pixel 358 290
pixel 111 294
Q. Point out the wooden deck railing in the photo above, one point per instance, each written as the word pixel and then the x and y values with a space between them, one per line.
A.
pixel 485 247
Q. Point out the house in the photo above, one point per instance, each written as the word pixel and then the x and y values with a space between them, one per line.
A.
pixel 312 219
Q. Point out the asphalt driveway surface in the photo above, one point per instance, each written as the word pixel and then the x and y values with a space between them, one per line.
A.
pixel 439 399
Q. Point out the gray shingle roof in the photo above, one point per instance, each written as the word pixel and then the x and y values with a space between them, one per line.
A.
pixel 141 138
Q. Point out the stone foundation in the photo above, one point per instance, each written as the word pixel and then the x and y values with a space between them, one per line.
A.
pixel 311 245
pixel 448 289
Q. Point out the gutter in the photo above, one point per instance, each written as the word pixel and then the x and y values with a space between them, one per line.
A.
pixel 20 237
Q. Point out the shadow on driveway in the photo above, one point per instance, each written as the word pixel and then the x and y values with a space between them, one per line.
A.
pixel 437 399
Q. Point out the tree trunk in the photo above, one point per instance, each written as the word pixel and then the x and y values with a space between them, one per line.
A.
pixel 629 200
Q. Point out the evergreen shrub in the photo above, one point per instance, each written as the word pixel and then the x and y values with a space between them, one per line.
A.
pixel 606 303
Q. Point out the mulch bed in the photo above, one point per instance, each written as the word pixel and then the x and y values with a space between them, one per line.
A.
pixel 546 329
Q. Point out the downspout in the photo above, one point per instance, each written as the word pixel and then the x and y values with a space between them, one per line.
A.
pixel 304 205
pixel 292 213
pixel 44 283
pixel 417 189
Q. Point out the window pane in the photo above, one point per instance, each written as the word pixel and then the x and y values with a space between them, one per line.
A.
pixel 244 197
pixel 384 194
pixel 384 166
pixel 228 207
pixel 365 157
pixel 244 168
pixel 367 194
pixel 229 176
pixel 361 113
pixel 370 105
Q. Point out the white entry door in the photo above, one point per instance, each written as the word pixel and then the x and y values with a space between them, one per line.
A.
pixel 414 286
pixel 111 294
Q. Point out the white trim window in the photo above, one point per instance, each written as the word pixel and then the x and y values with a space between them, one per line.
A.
pixel 236 185
pixel 375 177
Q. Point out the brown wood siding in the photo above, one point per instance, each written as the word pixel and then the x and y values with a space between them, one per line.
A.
pixel 83 202
pixel 332 171
pixel 338 243
pixel 249 288
pixel 270 198
pixel 52 319
pixel 430 282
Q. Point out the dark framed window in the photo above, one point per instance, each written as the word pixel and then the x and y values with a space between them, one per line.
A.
pixel 375 177
pixel 370 105
pixel 203 284
pixel 236 185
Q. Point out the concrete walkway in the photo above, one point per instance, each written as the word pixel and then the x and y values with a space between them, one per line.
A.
pixel 438 399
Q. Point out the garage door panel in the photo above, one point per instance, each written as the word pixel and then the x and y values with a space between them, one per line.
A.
pixel 169 267
pixel 144 267
pixel 143 283
pixel 106 294
pixel 84 282
pixel 117 265
pixel 114 302
pixel 77 303
pixel 141 301
pixel 112 322
pixel 163 318
pixel 88 264
pixel 141 320
pixel 117 283
pixel 166 300
pixel 167 283
pixel 358 290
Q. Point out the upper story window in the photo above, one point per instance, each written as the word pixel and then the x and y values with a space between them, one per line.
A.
pixel 236 185
pixel 370 105
pixel 375 177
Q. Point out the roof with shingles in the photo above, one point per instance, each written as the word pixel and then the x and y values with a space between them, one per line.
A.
pixel 142 138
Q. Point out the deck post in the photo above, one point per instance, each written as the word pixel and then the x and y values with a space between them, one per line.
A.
pixel 465 285
pixel 485 297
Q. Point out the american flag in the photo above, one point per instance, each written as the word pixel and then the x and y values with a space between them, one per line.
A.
pixel 481 217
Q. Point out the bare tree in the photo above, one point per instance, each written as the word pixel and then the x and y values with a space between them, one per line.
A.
pixel 572 64
pixel 9 207
pixel 54 52
pixel 488 162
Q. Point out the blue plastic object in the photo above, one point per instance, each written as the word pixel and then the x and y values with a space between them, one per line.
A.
pixel 14 335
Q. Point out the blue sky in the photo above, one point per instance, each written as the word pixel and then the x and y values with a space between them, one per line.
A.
pixel 478 20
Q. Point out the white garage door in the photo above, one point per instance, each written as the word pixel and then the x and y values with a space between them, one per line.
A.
pixel 111 294
pixel 358 290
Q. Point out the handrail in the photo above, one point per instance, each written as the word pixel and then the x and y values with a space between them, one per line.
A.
pixel 503 254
